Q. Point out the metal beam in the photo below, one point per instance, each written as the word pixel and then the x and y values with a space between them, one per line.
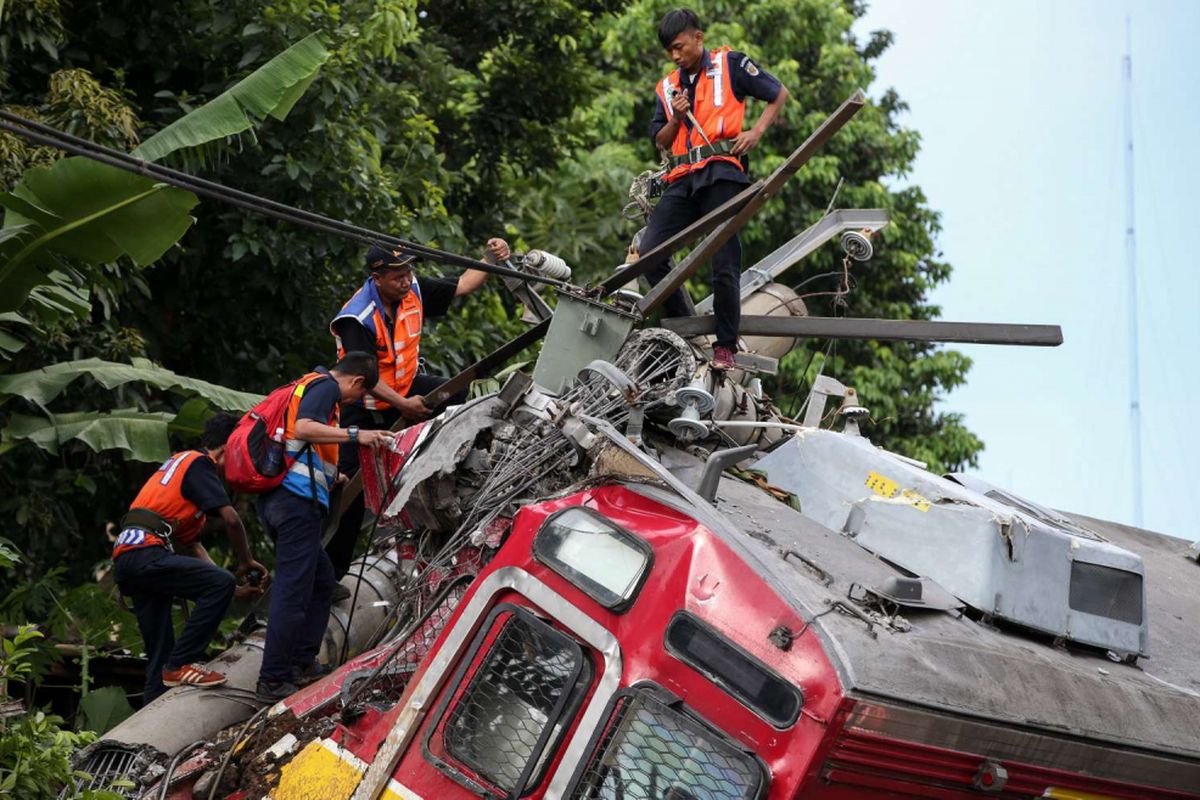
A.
pixel 800 247
pixel 484 367
pixel 715 240
pixel 901 330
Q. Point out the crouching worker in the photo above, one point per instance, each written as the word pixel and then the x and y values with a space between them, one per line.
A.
pixel 294 515
pixel 158 557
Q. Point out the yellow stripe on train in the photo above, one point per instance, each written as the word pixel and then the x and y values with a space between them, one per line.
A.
pixel 324 770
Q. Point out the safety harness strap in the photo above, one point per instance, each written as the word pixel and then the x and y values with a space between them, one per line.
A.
pixel 698 154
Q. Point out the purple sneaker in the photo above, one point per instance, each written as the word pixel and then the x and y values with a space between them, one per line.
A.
pixel 723 358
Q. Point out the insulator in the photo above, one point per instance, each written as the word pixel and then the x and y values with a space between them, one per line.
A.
pixel 688 427
pixel 857 245
pixel 548 264
pixel 697 394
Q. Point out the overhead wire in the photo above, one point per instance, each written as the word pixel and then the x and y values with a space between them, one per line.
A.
pixel 52 137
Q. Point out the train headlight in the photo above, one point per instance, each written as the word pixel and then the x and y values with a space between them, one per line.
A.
pixel 607 562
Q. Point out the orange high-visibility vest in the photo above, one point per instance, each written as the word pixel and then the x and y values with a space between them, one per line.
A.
pixel 316 468
pixel 398 347
pixel 716 108
pixel 163 495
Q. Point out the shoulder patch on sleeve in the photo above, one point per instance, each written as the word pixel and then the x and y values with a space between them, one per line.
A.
pixel 750 67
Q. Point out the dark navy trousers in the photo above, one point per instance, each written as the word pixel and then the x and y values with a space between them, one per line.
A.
pixel 152 577
pixel 678 208
pixel 302 590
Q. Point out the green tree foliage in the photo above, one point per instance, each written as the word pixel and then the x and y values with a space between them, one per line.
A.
pixel 35 750
pixel 444 122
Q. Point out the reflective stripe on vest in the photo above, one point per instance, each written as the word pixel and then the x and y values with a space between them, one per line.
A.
pixel 398 347
pixel 163 494
pixel 311 466
pixel 716 108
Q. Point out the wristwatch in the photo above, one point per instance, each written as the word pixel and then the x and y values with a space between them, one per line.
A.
pixel 352 432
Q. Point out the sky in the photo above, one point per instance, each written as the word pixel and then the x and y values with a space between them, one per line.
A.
pixel 1020 108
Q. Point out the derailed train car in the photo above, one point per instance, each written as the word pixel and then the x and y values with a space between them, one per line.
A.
pixel 628 577
pixel 596 608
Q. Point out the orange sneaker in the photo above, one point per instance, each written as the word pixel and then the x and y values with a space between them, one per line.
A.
pixel 192 675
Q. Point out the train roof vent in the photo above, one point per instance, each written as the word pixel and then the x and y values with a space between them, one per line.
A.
pixel 997 553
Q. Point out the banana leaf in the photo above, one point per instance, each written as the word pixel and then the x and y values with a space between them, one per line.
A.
pixel 41 386
pixel 88 211
pixel 95 214
pixel 270 91
pixel 140 435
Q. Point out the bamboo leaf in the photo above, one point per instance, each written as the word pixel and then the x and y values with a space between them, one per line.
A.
pixel 270 91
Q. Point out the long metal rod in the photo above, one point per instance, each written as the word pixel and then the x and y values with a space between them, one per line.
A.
pixel 715 240
pixel 52 137
pixel 903 330
pixel 1135 388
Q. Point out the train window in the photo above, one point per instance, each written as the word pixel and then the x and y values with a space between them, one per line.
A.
pixel 606 562
pixel 653 750
pixel 736 671
pixel 521 695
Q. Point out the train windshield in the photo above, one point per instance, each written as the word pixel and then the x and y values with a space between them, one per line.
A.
pixel 652 751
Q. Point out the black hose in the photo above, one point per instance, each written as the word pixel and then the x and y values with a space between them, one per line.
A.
pixel 52 137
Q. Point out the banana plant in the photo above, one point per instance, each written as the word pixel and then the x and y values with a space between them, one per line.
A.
pixel 93 214
pixel 140 435
pixel 64 221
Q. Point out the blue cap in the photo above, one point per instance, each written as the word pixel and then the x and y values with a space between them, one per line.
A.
pixel 381 258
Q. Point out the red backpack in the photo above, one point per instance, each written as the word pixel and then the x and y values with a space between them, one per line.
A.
pixel 255 457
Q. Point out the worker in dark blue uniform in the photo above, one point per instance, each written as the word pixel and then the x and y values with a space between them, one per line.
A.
pixel 698 120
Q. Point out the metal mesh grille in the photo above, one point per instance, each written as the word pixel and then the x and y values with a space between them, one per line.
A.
pixel 105 765
pixel 1106 592
pixel 500 725
pixel 652 752
pixel 658 362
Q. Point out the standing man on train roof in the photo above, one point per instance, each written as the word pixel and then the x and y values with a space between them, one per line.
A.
pixel 698 119
pixel 385 317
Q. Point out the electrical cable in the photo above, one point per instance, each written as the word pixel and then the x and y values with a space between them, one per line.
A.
pixel 52 137
pixel 229 754
pixel 165 782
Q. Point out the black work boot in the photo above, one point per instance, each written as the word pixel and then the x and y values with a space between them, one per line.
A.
pixel 315 671
pixel 274 691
